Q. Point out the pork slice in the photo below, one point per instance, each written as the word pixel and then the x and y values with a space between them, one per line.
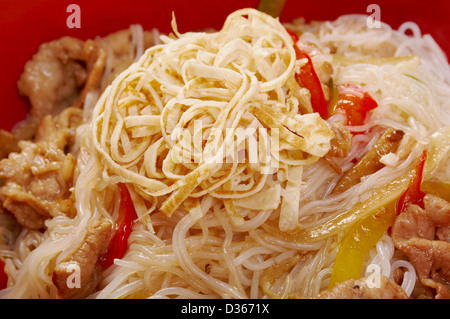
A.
pixel 370 162
pixel 364 289
pixel 37 180
pixel 438 210
pixel 85 260
pixel 413 223
pixel 443 233
pixel 51 81
pixel 423 235
pixel 431 259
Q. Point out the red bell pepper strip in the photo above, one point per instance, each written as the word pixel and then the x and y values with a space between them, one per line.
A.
pixel 413 194
pixel 3 276
pixel 307 78
pixel 355 105
pixel 293 35
pixel 119 243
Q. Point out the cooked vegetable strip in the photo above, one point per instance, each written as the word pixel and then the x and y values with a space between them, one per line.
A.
pixel 355 246
pixel 307 77
pixel 355 102
pixel 370 163
pixel 123 226
pixel 439 189
pixel 413 195
pixel 272 7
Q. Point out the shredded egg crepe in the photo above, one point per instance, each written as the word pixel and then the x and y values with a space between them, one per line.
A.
pixel 171 123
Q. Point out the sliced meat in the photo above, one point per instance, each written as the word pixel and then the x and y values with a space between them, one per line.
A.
pixel 438 210
pixel 413 223
pixel 363 289
pixel 442 291
pixel 26 215
pixel 37 181
pixel 443 233
pixel 370 163
pixel 59 75
pixel 51 81
pixel 63 71
pixel 423 236
pixel 431 259
pixel 421 291
pixel 83 262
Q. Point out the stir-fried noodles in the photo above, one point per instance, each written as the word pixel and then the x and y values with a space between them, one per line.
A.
pixel 239 186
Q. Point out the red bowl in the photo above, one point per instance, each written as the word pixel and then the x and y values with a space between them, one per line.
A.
pixel 25 24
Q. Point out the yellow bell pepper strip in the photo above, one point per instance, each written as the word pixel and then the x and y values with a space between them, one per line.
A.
pixel 3 275
pixel 386 195
pixel 413 194
pixel 367 232
pixel 307 78
pixel 119 243
pixel 272 7
pixel 357 243
pixel 439 189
